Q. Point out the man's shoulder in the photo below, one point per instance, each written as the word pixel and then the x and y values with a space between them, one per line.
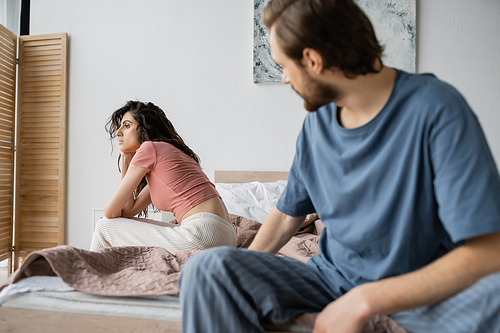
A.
pixel 427 96
pixel 427 85
pixel 325 114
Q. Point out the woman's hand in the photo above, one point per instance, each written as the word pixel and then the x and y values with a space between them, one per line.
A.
pixel 125 160
pixel 123 203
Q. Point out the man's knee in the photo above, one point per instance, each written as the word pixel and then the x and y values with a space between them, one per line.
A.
pixel 208 263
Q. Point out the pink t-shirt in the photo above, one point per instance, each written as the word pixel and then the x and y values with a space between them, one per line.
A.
pixel 176 182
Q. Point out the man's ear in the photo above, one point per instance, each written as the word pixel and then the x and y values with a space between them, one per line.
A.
pixel 312 60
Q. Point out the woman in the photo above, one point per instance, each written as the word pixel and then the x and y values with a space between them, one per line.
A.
pixel 158 167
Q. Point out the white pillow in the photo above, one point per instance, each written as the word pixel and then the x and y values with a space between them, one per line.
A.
pixel 251 200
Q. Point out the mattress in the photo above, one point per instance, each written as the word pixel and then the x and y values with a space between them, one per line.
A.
pixel 50 293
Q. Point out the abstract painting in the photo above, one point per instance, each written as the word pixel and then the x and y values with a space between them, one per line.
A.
pixel 394 23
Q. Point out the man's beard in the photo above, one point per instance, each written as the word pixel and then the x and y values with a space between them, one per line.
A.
pixel 316 93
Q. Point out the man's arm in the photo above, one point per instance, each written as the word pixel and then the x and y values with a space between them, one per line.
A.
pixel 445 277
pixel 276 231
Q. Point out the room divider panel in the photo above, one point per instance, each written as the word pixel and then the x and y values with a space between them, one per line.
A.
pixel 32 213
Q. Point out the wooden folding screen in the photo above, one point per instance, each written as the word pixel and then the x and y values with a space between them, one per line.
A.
pixel 40 189
pixel 8 47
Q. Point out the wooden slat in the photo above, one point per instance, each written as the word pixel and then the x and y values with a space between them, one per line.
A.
pixel 5 257
pixel 6 87
pixel 6 96
pixel 5 126
pixel 34 49
pixel 5 230
pixel 40 176
pixel 8 48
pixel 40 220
pixel 27 247
pixel 38 228
pixel 35 79
pixel 41 147
pixel 52 91
pixel 41 191
pixel 34 106
pixel 7 74
pixel 5 62
pixel 42 52
pixel 7 41
pixel 5 222
pixel 6 109
pixel 5 115
pixel 6 243
pixel 35 243
pixel 48 86
pixel 39 171
pixel 5 54
pixel 40 140
pixel 48 237
pixel 55 56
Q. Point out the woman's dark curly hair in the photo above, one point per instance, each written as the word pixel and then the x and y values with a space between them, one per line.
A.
pixel 153 125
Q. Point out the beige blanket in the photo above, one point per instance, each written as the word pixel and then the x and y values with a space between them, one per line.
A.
pixel 149 271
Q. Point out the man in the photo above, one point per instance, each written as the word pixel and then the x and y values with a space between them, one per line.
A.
pixel 398 169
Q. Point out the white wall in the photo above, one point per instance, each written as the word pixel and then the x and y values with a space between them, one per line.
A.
pixel 10 15
pixel 459 40
pixel 194 59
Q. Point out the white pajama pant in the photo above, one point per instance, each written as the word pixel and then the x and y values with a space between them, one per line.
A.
pixel 196 232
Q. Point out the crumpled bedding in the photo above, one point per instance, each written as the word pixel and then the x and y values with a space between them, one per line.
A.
pixel 151 271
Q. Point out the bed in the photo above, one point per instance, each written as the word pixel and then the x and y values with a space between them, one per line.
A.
pixel 147 301
pixel 46 303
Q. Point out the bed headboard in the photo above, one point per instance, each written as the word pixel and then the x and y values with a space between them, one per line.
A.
pixel 221 176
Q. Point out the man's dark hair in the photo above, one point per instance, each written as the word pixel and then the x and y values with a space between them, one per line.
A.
pixel 337 29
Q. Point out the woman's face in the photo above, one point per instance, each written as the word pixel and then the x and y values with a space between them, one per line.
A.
pixel 127 134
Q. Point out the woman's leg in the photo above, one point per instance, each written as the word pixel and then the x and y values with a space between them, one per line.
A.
pixel 197 232
pixel 206 230
pixel 135 232
pixel 235 290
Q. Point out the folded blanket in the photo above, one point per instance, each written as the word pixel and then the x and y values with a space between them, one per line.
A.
pixel 150 271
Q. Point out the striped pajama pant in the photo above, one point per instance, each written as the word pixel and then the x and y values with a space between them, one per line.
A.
pixel 236 290
pixel 197 232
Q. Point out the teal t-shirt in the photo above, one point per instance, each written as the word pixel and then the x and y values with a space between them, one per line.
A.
pixel 398 192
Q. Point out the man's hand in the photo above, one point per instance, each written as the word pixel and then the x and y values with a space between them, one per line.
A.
pixel 347 314
pixel 443 278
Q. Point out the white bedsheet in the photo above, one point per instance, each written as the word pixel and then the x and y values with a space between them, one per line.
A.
pixel 34 283
pixel 252 200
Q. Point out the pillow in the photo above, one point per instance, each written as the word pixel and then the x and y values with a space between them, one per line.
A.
pixel 251 200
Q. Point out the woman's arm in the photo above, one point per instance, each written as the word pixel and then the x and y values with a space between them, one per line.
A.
pixel 122 203
pixel 125 162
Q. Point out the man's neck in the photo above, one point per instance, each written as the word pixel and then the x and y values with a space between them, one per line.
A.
pixel 365 96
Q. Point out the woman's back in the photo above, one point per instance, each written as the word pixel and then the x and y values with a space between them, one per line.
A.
pixel 176 182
